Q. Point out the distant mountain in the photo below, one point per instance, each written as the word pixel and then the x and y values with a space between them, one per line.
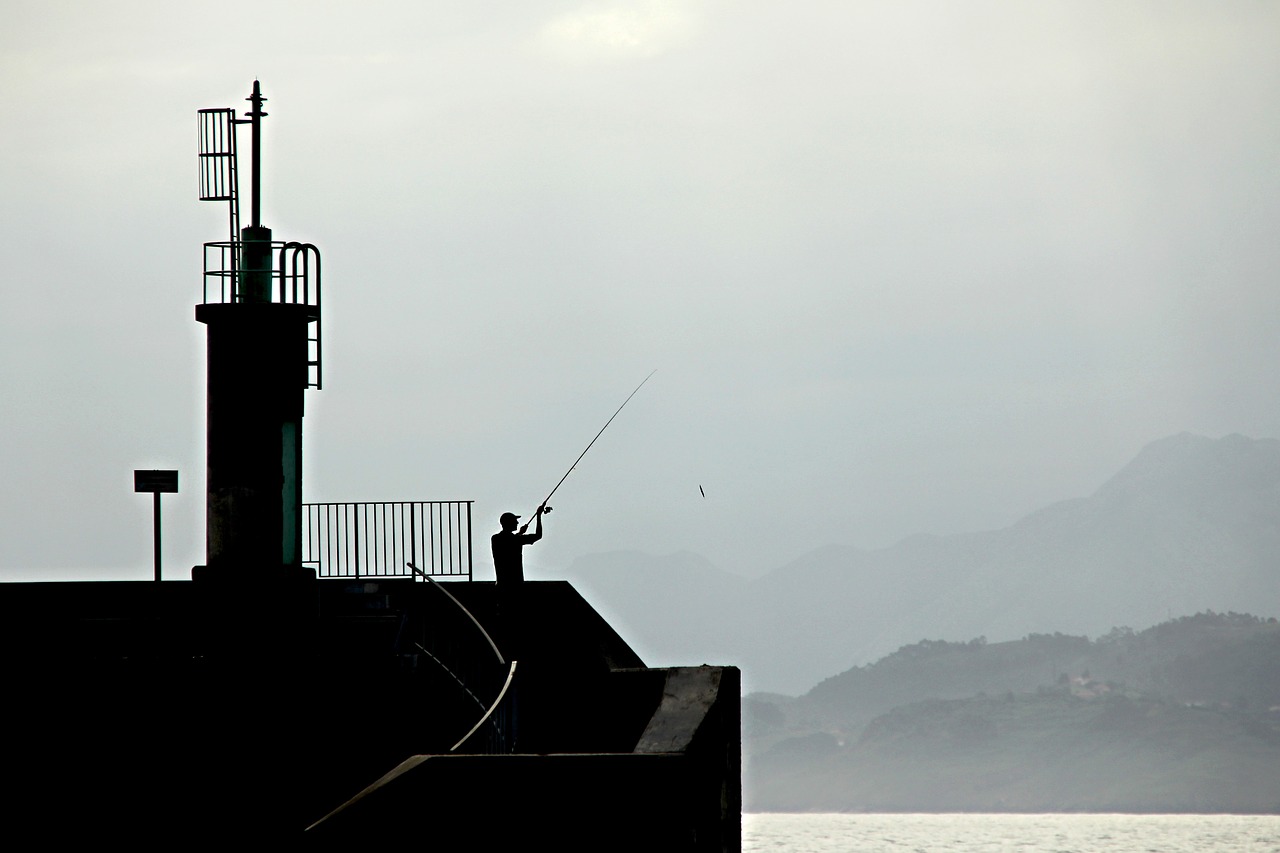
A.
pixel 1190 524
pixel 1037 752
pixel 1184 716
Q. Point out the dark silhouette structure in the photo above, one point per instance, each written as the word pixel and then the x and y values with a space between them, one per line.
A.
pixel 262 311
pixel 258 701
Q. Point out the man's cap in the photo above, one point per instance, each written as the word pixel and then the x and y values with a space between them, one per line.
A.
pixel 508 517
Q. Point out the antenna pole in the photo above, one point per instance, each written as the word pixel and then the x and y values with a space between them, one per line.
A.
pixel 255 117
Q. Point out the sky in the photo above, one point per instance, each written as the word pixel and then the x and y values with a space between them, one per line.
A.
pixel 901 267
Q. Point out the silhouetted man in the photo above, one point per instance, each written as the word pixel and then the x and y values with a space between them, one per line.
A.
pixel 508 547
pixel 508 565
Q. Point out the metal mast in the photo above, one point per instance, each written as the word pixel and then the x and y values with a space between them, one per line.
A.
pixel 255 119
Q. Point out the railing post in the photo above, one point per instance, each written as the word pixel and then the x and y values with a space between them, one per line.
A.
pixel 356 552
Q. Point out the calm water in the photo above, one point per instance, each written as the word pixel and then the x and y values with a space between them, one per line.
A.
pixel 998 833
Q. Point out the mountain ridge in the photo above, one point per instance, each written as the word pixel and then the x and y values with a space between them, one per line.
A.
pixel 1191 523
pixel 1183 716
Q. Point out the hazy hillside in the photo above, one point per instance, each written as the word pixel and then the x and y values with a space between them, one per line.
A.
pixel 1208 659
pixel 1190 524
pixel 1030 752
pixel 1182 717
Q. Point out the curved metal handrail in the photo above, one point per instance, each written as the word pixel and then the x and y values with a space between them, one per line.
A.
pixel 474 620
pixel 511 669
pixel 465 689
pixel 506 685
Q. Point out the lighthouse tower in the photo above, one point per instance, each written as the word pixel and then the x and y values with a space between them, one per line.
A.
pixel 261 307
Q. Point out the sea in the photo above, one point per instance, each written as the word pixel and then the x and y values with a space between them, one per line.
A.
pixel 998 833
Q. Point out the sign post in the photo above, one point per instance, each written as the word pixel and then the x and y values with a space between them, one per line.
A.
pixel 156 482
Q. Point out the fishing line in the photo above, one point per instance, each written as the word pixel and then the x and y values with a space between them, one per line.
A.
pixel 588 447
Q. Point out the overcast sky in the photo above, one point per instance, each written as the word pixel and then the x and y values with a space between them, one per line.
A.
pixel 901 267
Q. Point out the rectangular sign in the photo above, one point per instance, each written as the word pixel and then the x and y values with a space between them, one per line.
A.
pixel 155 481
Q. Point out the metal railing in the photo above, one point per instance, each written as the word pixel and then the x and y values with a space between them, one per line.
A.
pixel 293 276
pixel 237 271
pixel 372 540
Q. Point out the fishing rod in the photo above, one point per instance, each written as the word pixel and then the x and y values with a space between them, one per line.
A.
pixel 543 506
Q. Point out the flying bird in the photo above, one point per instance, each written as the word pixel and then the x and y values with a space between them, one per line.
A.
pixel 704 494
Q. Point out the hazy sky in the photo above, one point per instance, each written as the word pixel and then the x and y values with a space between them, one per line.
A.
pixel 901 267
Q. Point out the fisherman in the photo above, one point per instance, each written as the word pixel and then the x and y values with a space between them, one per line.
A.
pixel 508 547
pixel 508 565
